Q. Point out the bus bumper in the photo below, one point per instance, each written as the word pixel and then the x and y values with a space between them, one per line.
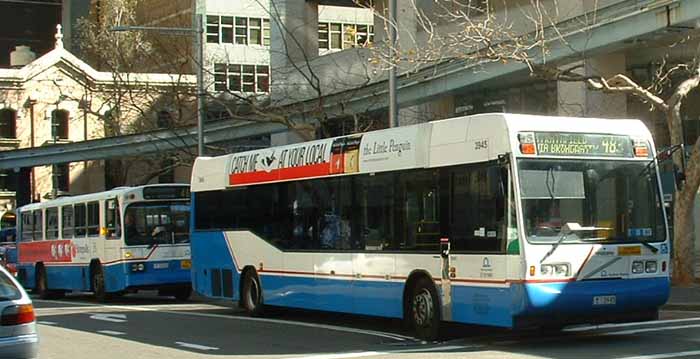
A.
pixel 592 301
pixel 150 274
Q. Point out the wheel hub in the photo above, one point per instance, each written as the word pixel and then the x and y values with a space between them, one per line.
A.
pixel 423 308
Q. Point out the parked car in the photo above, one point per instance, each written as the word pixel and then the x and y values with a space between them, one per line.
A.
pixel 18 336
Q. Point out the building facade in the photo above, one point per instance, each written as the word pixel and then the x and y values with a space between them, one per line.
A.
pixel 58 99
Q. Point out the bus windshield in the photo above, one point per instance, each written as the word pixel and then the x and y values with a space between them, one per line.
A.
pixel 152 223
pixel 617 201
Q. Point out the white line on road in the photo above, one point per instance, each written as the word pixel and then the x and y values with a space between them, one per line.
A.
pixel 158 308
pixel 386 352
pixel 110 332
pixel 635 331
pixel 634 324
pixel 114 318
pixel 195 346
pixel 44 322
pixel 665 355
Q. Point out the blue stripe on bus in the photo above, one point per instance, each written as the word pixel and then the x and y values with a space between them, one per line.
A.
pixel 118 276
pixel 576 298
pixel 498 306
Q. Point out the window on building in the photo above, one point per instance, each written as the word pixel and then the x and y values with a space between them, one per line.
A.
pixel 63 176
pixel 239 30
pixel 164 120
pixel 59 124
pixel 67 221
pixel 227 29
pixel 266 32
pixel 168 175
pixel 242 78
pixel 52 223
pixel 213 29
pixel 337 36
pixel 8 123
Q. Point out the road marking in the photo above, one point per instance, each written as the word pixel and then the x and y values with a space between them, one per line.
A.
pixel 644 330
pixel 386 352
pixel 44 322
pixel 110 332
pixel 195 346
pixel 665 355
pixel 633 324
pixel 161 309
pixel 114 318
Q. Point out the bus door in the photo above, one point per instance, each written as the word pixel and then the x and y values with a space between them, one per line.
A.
pixel 112 230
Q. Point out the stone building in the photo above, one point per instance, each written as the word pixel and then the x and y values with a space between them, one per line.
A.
pixel 58 98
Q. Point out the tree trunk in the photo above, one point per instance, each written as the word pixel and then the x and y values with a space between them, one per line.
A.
pixel 683 234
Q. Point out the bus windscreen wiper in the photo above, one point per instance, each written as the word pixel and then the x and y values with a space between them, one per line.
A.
pixel 567 229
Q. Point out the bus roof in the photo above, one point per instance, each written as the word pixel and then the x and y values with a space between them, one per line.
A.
pixel 466 139
pixel 94 196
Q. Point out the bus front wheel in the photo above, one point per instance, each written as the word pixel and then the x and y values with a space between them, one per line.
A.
pixel 251 294
pixel 423 310
pixel 98 284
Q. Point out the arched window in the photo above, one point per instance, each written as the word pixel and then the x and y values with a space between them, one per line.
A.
pixel 8 123
pixel 59 124
pixel 164 120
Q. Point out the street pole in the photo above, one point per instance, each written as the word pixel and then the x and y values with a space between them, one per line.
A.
pixel 199 49
pixel 393 108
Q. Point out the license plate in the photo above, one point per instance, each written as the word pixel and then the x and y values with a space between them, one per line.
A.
pixel 160 265
pixel 604 300
pixel 185 264
pixel 629 251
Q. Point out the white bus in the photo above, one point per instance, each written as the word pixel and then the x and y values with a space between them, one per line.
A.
pixel 110 243
pixel 495 219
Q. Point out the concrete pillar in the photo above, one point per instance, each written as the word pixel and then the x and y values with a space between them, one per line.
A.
pixel 293 32
pixel 575 99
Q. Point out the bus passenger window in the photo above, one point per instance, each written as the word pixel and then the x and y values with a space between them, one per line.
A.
pixel 38 225
pixel 80 220
pixel 52 223
pixel 93 218
pixel 67 222
pixel 27 226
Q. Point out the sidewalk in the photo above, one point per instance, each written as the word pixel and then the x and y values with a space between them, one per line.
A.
pixel 684 298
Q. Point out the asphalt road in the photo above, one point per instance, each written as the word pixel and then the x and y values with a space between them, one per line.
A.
pixel 150 327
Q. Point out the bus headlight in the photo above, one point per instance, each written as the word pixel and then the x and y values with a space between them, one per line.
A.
pixel 637 267
pixel 138 267
pixel 557 269
pixel 650 266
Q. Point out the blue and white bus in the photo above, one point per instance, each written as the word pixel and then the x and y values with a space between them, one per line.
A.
pixel 110 243
pixel 495 219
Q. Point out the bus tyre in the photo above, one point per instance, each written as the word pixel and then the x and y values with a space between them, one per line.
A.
pixel 98 284
pixel 183 294
pixel 423 310
pixel 251 294
pixel 41 287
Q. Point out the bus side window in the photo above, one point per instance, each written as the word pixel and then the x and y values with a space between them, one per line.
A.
pixel 67 221
pixel 93 218
pixel 38 225
pixel 80 220
pixel 112 218
pixel 27 226
pixel 52 223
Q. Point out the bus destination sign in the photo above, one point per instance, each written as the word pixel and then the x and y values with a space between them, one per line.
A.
pixel 576 144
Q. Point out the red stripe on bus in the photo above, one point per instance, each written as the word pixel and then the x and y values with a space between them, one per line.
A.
pixel 238 179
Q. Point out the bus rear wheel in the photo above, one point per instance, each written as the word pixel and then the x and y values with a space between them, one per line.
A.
pixel 423 310
pixel 41 286
pixel 251 294
pixel 98 284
